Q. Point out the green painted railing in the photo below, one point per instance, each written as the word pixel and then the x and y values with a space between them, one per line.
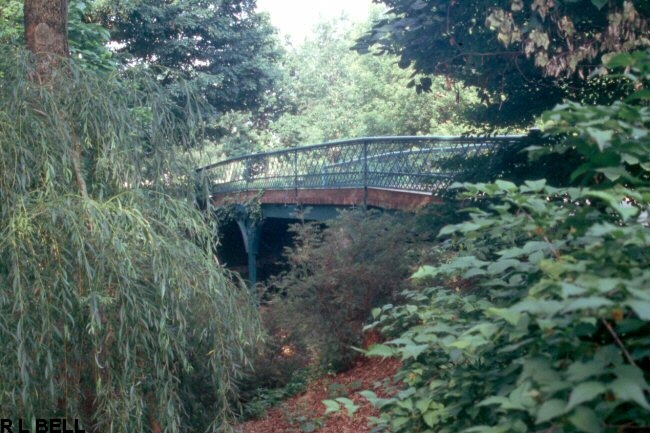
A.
pixel 416 164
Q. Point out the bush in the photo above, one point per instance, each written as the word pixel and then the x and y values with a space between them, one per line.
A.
pixel 338 275
pixel 280 364
pixel 552 333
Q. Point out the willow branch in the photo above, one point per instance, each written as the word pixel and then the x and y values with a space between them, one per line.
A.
pixel 76 164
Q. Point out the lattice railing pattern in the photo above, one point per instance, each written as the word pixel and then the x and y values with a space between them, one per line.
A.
pixel 417 164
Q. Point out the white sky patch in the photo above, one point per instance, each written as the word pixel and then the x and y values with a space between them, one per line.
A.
pixel 297 18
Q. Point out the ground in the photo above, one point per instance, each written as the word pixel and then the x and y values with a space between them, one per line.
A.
pixel 306 412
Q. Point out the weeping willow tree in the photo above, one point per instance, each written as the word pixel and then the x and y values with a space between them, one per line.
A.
pixel 112 307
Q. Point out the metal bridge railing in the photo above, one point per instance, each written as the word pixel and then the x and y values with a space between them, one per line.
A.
pixel 415 164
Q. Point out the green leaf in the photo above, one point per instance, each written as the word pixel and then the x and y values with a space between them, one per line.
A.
pixel 549 410
pixel 639 293
pixel 579 371
pixel 466 262
pixel 406 404
pixel 487 330
pixel 592 303
pixel 628 390
pixel 599 3
pixel 368 395
pixel 512 317
pixel 511 253
pixel 399 421
pixel 535 246
pixel 584 419
pixel 641 308
pixel 422 404
pixel 413 350
pixel 494 399
pixel 374 400
pixel 585 391
pixel 380 350
pixel 602 137
pixel 613 173
pixel 501 265
pixel 570 290
pixel 506 185
pixel 625 209
pixel 431 418
pixel 331 406
pixel 348 405
pixel 447 230
pixel 425 272
pixel 484 429
pixel 534 185
pixel 621 59
pixel 472 341
pixel 539 306
pixel 639 94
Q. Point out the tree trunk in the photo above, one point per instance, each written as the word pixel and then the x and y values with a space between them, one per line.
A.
pixel 46 33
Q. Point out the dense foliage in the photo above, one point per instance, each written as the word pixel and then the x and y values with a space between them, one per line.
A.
pixel 112 307
pixel 337 275
pixel 337 93
pixel 541 322
pixel 327 92
pixel 524 55
pixel 87 39
pixel 224 49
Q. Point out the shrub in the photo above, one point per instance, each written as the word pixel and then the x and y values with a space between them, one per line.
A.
pixel 552 334
pixel 339 274
pixel 280 366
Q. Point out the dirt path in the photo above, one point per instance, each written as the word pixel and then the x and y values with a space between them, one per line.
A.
pixel 306 413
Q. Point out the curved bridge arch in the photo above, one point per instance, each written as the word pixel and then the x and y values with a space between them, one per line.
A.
pixel 410 164
pixel 404 173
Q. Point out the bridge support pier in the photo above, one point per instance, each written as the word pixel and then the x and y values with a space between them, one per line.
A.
pixel 251 231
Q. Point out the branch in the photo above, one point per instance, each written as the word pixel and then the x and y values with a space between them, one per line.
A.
pixel 439 66
pixel 619 342
pixel 76 163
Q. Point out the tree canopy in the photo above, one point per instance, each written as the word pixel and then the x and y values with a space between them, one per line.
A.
pixel 226 50
pixel 328 91
pixel 337 93
pixel 523 55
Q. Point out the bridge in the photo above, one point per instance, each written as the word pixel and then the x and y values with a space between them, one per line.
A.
pixel 402 173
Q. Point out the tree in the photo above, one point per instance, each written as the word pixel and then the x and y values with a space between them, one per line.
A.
pixel 335 93
pixel 113 309
pixel 224 48
pixel 87 39
pixel 524 56
pixel 46 32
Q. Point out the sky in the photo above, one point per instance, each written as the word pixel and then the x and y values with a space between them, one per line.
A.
pixel 296 18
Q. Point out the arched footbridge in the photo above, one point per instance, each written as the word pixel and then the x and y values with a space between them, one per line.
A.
pixel 402 173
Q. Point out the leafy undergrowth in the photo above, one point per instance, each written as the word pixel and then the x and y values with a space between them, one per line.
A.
pixel 306 412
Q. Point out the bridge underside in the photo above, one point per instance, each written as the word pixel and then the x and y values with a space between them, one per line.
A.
pixel 317 205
